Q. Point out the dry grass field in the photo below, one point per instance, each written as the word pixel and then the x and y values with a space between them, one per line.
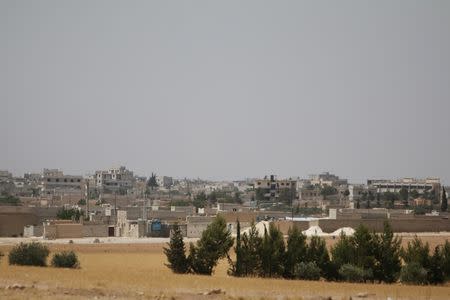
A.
pixel 118 271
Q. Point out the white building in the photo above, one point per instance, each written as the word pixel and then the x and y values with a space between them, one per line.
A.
pixel 115 179
pixel 420 185
pixel 164 181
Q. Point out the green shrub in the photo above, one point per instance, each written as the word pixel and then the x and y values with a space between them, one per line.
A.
pixel 32 254
pixel 65 259
pixel 353 273
pixel 413 273
pixel 307 271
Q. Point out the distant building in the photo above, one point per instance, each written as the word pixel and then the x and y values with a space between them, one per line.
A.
pixel 420 185
pixel 115 180
pixel 33 177
pixel 5 175
pixel 272 187
pixel 55 182
pixel 356 191
pixel 327 179
pixel 164 181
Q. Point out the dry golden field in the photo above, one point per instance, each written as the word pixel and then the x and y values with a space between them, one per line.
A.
pixel 118 271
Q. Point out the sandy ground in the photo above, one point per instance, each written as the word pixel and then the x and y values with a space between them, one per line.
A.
pixel 122 269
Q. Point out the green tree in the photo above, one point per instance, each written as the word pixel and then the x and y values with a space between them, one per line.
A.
pixel 390 198
pixel 250 252
pixel 7 199
pixel 413 273
pixel 364 249
pixel 436 273
pixel 404 194
pixel 31 254
pixel 370 198
pixel 152 183
pixel 414 194
pixel 444 201
pixel 317 252
pixel 378 200
pixel 446 259
pixel 352 273
pixel 418 252
pixel 328 191
pixel 272 252
pixel 69 214
pixel 212 197
pixel 176 252
pixel 260 194
pixel 295 251
pixel 200 200
pixel 65 259
pixel 236 267
pixel 364 197
pixel 388 250
pixel 342 252
pixel 284 196
pixel 307 271
pixel 237 197
pixel 213 245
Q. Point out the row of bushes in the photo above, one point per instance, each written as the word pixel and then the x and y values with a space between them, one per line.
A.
pixel 35 254
pixel 364 257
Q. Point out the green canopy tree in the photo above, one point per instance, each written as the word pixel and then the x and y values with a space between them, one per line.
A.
pixel 364 246
pixel 418 252
pixel 236 267
pixel 436 272
pixel 295 251
pixel 317 252
pixel 176 252
pixel 388 250
pixel 444 201
pixel 152 183
pixel 272 252
pixel 213 245
pixel 250 252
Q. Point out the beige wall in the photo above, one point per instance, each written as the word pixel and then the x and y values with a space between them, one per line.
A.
pixel 14 218
pixel 95 230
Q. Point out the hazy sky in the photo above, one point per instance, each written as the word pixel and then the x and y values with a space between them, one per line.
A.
pixel 226 90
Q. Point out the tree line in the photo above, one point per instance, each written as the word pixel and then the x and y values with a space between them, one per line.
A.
pixel 363 257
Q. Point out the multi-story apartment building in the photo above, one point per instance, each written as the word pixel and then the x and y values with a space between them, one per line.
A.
pixel 115 180
pixel 420 185
pixel 164 181
pixel 327 179
pixel 55 182
pixel 5 175
pixel 272 186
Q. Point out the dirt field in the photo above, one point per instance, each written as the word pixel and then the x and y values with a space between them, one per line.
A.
pixel 118 271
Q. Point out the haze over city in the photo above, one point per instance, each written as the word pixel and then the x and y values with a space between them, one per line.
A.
pixel 227 90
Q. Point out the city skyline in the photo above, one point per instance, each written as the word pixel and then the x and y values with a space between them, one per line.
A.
pixel 227 90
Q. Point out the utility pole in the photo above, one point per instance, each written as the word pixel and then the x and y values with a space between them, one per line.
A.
pixel 292 203
pixel 115 207
pixel 87 200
